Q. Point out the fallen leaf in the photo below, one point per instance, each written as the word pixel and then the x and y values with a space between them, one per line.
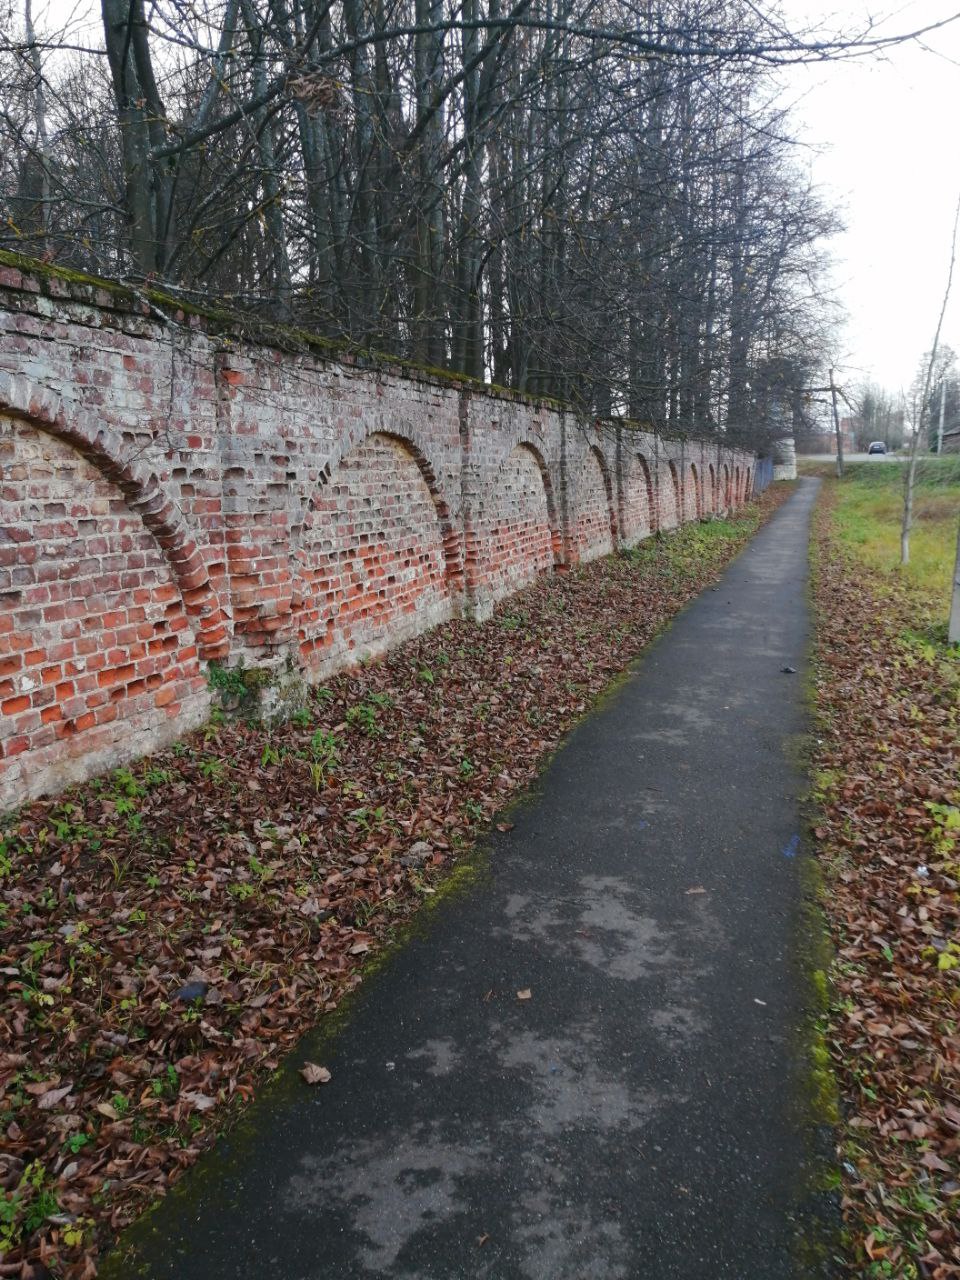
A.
pixel 52 1097
pixel 525 994
pixel 40 1087
pixel 199 1101
pixel 930 1160
pixel 314 1074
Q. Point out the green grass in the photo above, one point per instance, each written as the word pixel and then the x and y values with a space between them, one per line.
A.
pixel 692 547
pixel 869 512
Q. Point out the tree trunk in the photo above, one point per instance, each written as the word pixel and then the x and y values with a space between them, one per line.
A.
pixel 134 135
pixel 836 426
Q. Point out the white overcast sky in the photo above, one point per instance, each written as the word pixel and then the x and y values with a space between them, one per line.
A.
pixel 885 149
pixel 881 137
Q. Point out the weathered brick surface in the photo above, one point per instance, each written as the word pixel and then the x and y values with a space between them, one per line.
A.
pixel 592 528
pixel 373 558
pixel 671 501
pixel 97 651
pixel 520 535
pixel 638 502
pixel 171 495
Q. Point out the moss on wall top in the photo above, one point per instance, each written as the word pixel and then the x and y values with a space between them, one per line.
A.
pixel 240 327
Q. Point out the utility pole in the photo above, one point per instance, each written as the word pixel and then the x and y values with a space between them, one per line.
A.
pixel 836 426
pixel 943 399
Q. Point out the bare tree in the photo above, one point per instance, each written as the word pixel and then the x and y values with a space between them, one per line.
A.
pixel 924 397
pixel 593 202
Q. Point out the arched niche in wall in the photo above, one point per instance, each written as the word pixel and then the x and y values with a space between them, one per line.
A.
pixel 672 499
pixel 517 533
pixel 695 499
pixel 106 608
pixel 378 558
pixel 593 523
pixel 638 514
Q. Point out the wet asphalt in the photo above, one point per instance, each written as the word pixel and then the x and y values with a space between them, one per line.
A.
pixel 640 1115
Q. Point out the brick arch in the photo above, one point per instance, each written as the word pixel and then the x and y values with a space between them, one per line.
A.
pixel 375 556
pixel 712 484
pixel 638 507
pixel 652 509
pixel 515 535
pixel 99 659
pixel 608 490
pixel 591 518
pixel 142 490
pixel 726 501
pixel 556 539
pixel 737 492
pixel 677 489
pixel 747 495
pixel 697 494
pixel 407 439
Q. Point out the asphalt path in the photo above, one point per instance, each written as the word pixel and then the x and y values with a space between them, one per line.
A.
pixel 587 1063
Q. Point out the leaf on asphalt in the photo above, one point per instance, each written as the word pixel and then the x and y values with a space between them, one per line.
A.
pixel 525 994
pixel 314 1074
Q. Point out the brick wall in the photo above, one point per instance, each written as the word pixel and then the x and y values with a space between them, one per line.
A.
pixel 372 563
pixel 173 496
pixel 519 537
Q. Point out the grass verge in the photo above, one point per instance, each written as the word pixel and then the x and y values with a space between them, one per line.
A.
pixel 886 787
pixel 867 521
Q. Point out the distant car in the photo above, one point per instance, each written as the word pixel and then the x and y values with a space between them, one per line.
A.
pixel 877 446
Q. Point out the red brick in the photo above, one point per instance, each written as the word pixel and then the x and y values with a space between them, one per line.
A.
pixel 115 675
pixel 165 696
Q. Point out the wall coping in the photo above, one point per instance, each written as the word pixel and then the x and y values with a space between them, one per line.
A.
pixel 19 273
